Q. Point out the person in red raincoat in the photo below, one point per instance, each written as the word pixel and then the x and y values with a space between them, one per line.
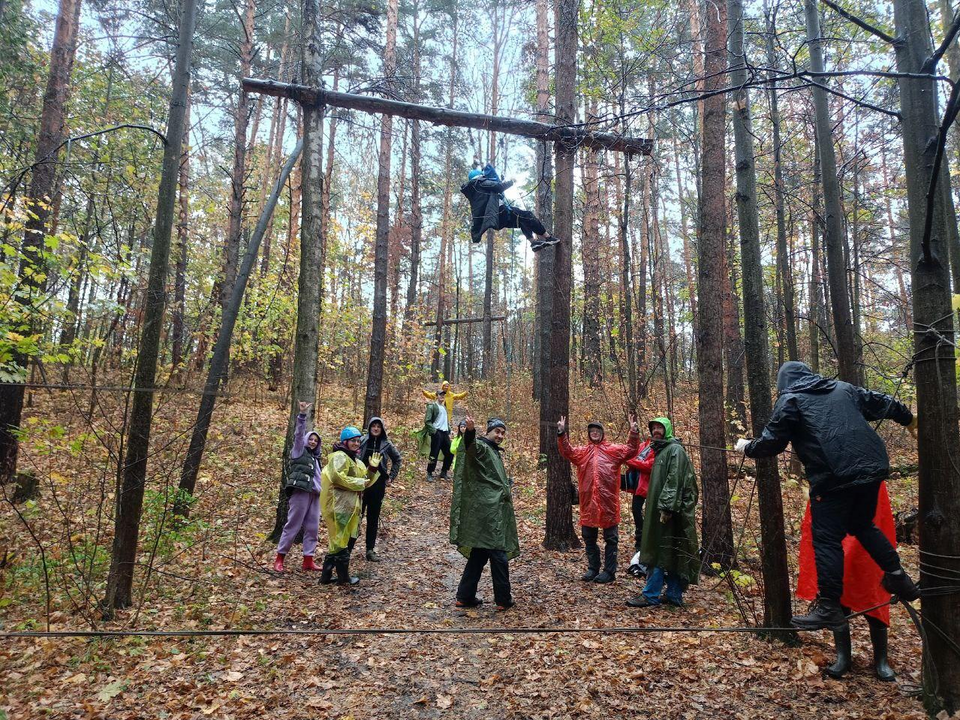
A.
pixel 861 589
pixel 598 480
pixel 641 464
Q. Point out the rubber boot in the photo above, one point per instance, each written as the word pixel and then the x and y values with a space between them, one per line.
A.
pixel 326 574
pixel 841 639
pixel 309 564
pixel 878 637
pixel 343 572
pixel 278 563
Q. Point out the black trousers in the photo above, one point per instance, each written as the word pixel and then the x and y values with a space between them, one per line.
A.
pixel 838 514
pixel 440 443
pixel 526 221
pixel 499 570
pixel 611 545
pixel 372 503
pixel 636 507
pixel 341 561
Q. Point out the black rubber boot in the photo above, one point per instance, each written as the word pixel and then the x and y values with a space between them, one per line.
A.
pixel 589 575
pixel 900 584
pixel 878 637
pixel 326 573
pixel 343 572
pixel 841 639
pixel 605 577
pixel 824 615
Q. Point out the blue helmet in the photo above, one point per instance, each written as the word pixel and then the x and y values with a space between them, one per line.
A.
pixel 349 433
pixel 474 174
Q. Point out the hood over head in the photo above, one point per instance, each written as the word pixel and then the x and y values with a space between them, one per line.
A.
pixel 667 426
pixel 306 437
pixel 382 425
pixel 795 376
pixel 599 426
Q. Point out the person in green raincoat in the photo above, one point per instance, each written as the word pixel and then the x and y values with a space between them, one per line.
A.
pixel 482 523
pixel 669 546
pixel 343 480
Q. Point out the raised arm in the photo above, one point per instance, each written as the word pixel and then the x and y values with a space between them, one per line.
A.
pixel 300 430
pixel 778 432
pixel 429 395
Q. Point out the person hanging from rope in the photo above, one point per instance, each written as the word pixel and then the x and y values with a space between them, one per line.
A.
pixel 344 479
pixel 845 461
pixel 302 489
pixel 862 592
pixel 669 546
pixel 598 484
pixel 491 210
pixel 445 395
pixel 483 526
pixel 377 442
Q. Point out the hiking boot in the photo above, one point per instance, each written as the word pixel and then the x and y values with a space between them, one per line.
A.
pixel 505 606
pixel 278 563
pixel 671 601
pixel 430 477
pixel 475 602
pixel 641 601
pixel 537 245
pixel 605 577
pixel 442 476
pixel 309 564
pixel 372 556
pixel 547 241
pixel 823 615
pixel 589 576
pixel 899 583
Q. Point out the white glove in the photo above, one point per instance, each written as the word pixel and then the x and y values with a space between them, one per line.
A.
pixel 741 445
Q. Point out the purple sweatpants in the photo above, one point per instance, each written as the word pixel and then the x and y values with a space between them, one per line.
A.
pixel 303 511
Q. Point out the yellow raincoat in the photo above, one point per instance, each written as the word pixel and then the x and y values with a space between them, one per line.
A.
pixel 448 398
pixel 342 483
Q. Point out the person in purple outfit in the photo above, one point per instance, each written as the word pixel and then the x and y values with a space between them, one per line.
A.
pixel 303 491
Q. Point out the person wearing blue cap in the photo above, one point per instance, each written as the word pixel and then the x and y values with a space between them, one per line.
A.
pixel 491 211
pixel 343 480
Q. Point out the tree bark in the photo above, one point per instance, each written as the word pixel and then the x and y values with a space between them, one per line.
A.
pixel 935 368
pixel 773 556
pixel 559 532
pixel 416 213
pixel 183 238
pixel 590 253
pixel 40 194
pixel 134 470
pixel 717 526
pixel 847 358
pixel 378 334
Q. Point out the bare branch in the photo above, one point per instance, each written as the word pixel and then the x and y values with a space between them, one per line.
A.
pixel 859 22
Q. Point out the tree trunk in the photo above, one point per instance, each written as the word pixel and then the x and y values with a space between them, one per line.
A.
pixel 183 238
pixel 833 226
pixel 559 532
pixel 590 253
pixel 544 260
pixel 303 382
pixel 134 470
pixel 935 368
pixel 416 214
pixel 717 526
pixel 626 281
pixel 42 182
pixel 732 339
pixel 378 335
pixel 773 557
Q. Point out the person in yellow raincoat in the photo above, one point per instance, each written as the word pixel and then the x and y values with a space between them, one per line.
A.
pixel 445 395
pixel 343 480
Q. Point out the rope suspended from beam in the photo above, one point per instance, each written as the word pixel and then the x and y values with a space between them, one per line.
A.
pixel 568 136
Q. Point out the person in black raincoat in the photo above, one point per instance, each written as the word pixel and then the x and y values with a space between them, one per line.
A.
pixel 491 211
pixel 845 461
pixel 376 441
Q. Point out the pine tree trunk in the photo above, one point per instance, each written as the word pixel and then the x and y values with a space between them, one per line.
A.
pixel 119 592
pixel 179 313
pixel 544 260
pixel 935 368
pixel 717 526
pixel 590 253
pixel 378 334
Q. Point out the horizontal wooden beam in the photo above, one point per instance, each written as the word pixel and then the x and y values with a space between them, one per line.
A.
pixel 569 136
pixel 459 321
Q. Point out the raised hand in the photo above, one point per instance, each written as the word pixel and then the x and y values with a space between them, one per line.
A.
pixel 304 406
pixel 562 425
pixel 469 421
pixel 634 427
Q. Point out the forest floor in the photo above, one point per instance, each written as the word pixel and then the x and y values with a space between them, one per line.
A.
pixel 213 573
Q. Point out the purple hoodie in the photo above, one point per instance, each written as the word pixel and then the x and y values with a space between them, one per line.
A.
pixel 300 445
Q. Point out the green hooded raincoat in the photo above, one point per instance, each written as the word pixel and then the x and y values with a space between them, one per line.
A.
pixel 481 509
pixel 673 488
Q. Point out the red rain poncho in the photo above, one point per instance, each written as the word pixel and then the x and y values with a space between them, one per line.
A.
pixel 861 575
pixel 642 462
pixel 598 477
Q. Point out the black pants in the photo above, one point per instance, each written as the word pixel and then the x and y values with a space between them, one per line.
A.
pixel 611 544
pixel 511 217
pixel 838 514
pixel 341 561
pixel 440 443
pixel 636 507
pixel 372 502
pixel 499 570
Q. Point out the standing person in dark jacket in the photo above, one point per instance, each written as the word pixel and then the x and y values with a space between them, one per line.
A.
pixel 845 461
pixel 491 211
pixel 376 441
